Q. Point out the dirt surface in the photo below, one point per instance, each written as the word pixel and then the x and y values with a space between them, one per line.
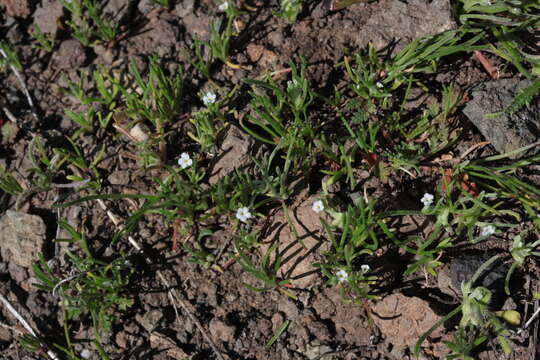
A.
pixel 240 321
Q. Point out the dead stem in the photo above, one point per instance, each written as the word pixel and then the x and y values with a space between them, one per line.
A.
pixel 23 86
pixel 233 65
pixel 27 326
pixel 10 115
pixel 494 73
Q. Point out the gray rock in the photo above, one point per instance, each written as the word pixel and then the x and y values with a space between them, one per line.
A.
pixel 277 321
pixel 317 351
pixel 47 16
pixel 117 9
pixel 150 319
pixel 289 308
pixel 398 352
pixel 22 237
pixel 120 177
pixel 15 35
pixel 106 54
pixel 17 272
pixel 5 335
pixel 184 8
pixel 37 305
pixel 208 293
pixel 16 8
pixel 145 6
pixel 70 55
pixel 197 26
pixel 276 38
pixel 319 330
pixel 298 335
pixel 221 331
pixel 121 339
pixel 323 306
pixel 159 36
pixel 408 21
pixel 464 267
pixel 506 132
pixel 235 147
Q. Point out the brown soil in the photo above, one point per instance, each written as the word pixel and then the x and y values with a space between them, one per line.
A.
pixel 239 320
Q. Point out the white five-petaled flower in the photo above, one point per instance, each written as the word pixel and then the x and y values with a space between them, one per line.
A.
pixel 223 6
pixel 487 230
pixel 209 98
pixel 427 199
pixel 342 276
pixel 365 268
pixel 185 161
pixel 294 83
pixel 318 206
pixel 243 214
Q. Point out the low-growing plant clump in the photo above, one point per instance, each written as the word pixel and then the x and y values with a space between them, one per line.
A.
pixel 395 182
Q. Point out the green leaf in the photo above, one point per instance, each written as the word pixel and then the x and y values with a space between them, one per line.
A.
pixel 277 334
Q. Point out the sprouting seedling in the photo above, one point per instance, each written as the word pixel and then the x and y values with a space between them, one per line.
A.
pixel 219 43
pixel 474 308
pixel 88 21
pixel 519 251
pixel 9 57
pixel 97 289
pixel 290 9
pixel 266 271
pixel 45 42
pixel 8 183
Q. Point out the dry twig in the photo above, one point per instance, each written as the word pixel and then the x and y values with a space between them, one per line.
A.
pixel 10 115
pixel 494 73
pixel 26 325
pixel 23 86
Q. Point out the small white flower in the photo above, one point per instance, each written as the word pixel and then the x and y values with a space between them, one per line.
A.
pixel 294 83
pixel 487 230
pixel 427 199
pixel 365 268
pixel 342 276
pixel 209 98
pixel 223 6
pixel 243 214
pixel 379 84
pixel 185 161
pixel 318 206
